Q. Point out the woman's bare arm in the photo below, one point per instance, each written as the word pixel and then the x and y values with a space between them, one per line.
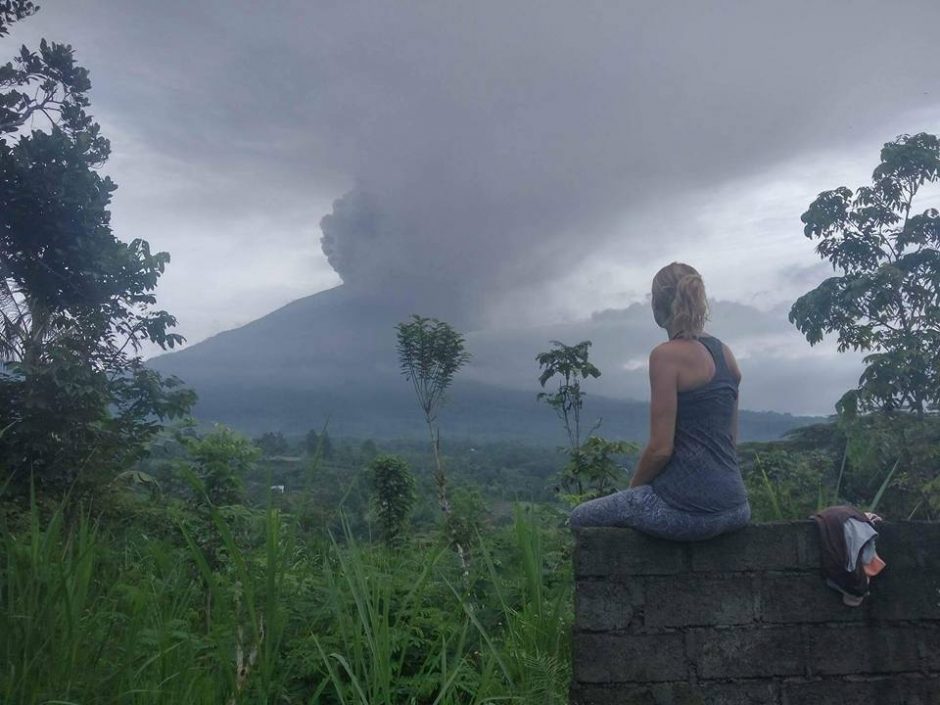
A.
pixel 664 381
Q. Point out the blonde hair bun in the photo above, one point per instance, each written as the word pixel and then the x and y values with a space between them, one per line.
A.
pixel 679 301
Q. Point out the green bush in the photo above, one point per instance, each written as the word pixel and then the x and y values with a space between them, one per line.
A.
pixel 393 495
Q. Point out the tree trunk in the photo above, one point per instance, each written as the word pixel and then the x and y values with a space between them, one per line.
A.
pixel 440 480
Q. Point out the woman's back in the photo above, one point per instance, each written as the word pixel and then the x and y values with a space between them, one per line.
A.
pixel 703 474
pixel 686 485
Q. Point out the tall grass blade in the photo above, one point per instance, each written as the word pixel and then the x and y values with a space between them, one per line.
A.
pixel 884 486
pixel 770 489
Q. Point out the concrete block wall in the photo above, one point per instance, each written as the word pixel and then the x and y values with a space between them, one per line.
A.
pixel 746 619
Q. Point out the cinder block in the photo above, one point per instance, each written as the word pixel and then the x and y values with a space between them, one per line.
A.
pixel 753 652
pixel 807 546
pixel 864 649
pixel 619 554
pixel 742 693
pixel 604 606
pixel 699 600
pixel 897 690
pixel 760 547
pixel 898 595
pixel 628 658
pixel 796 599
pixel 655 694
pixel 910 545
pixel 930 634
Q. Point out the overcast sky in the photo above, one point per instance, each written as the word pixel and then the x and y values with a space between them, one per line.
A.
pixel 525 162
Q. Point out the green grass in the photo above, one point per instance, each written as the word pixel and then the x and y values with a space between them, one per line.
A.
pixel 214 613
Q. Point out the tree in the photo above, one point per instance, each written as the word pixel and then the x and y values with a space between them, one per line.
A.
pixel 570 363
pixel 885 296
pixel 311 442
pixel 465 522
pixel 393 495
pixel 318 445
pixel 592 469
pixel 48 84
pixel 13 10
pixel 75 302
pixel 430 353
pixel 220 460
pixel 214 469
pixel 272 443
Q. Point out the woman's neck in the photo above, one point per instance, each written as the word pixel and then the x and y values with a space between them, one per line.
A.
pixel 674 334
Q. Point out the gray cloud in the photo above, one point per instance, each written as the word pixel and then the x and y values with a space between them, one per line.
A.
pixel 781 371
pixel 809 275
pixel 481 156
pixel 498 142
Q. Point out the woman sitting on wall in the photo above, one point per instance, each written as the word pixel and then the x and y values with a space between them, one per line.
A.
pixel 687 485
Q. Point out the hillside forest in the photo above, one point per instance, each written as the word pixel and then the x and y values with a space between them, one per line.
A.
pixel 147 557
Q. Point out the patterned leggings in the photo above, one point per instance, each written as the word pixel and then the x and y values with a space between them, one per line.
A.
pixel 642 509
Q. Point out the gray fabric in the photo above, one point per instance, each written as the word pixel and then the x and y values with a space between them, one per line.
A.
pixel 868 552
pixel 642 509
pixel 703 474
pixel 858 536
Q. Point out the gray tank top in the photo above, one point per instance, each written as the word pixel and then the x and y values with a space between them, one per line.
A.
pixel 702 475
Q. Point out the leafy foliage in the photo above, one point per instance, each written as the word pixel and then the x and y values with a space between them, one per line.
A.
pixel 785 484
pixel 12 11
pixel 93 614
pixel 888 460
pixel 76 303
pixel 902 448
pixel 594 469
pixel 220 461
pixel 393 488
pixel 886 295
pixel 213 474
pixel 430 353
pixel 570 363
pixel 465 520
pixel 97 612
pixel 273 443
pixel 48 84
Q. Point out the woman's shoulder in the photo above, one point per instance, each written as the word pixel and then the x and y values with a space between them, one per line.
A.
pixel 686 351
pixel 679 353
pixel 666 351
